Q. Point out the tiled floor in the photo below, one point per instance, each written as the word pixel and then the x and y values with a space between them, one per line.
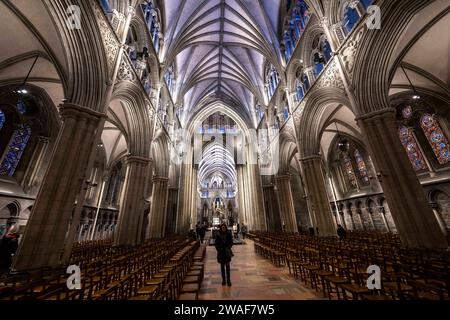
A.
pixel 253 278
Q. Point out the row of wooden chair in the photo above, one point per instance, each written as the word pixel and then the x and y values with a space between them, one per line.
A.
pixel 338 268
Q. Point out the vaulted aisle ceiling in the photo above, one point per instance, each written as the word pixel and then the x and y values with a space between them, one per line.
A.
pixel 219 48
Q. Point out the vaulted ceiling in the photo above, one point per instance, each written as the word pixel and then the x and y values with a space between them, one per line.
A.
pixel 219 48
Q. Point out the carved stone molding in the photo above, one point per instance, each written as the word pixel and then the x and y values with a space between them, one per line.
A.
pixel 331 77
pixel 125 72
pixel 350 51
pixel 109 40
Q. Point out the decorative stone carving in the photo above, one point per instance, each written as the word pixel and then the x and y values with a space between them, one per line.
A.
pixel 331 77
pixel 349 52
pixel 110 42
pixel 125 72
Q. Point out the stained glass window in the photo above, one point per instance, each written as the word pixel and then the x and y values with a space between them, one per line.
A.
pixel 15 150
pixel 436 138
pixel 362 168
pixel 348 167
pixel 21 107
pixel 412 149
pixel 2 119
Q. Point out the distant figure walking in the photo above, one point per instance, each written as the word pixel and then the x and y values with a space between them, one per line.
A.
pixel 223 243
pixel 341 232
pixel 202 233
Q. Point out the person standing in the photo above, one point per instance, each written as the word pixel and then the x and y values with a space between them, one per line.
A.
pixel 223 243
pixel 202 233
pixel 8 248
pixel 341 232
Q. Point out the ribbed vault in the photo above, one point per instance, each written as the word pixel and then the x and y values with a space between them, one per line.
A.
pixel 220 47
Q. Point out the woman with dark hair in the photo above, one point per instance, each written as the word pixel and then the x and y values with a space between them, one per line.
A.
pixel 223 244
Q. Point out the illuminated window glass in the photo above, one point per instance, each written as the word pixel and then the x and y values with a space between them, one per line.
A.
pixel 362 168
pixel 412 149
pixel 436 138
pixel 348 167
pixel 2 119
pixel 15 150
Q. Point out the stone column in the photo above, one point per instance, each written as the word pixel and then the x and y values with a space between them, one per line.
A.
pixel 36 163
pixel 159 207
pixel 45 235
pixel 317 194
pixel 132 202
pixel 372 223
pixel 383 217
pixel 286 202
pixel 415 221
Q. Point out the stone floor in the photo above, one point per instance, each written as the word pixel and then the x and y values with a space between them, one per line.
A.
pixel 252 277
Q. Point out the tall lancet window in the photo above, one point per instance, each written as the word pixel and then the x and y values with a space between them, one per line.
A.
pixel 412 148
pixel 2 119
pixel 362 168
pixel 15 150
pixel 436 138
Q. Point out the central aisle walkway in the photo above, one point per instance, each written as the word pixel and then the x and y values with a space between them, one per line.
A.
pixel 252 277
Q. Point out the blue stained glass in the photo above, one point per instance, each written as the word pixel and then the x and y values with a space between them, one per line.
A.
pixel 21 107
pixel 2 119
pixel 15 150
pixel 351 18
pixel 105 6
pixel 366 3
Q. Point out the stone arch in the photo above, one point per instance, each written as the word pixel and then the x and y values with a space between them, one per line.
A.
pixel 138 118
pixel 309 128
pixel 160 155
pixel 375 62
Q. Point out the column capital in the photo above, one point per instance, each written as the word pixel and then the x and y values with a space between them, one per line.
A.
pixel 384 113
pixel 137 159
pixel 311 158
pixel 160 179
pixel 71 110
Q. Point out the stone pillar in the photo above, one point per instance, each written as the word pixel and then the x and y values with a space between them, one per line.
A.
pixel 286 202
pixel 132 202
pixel 415 221
pixel 372 223
pixel 159 207
pixel 31 175
pixel 317 194
pixel 383 216
pixel 45 235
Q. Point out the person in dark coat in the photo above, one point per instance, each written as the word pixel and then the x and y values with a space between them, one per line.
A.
pixel 341 232
pixel 8 247
pixel 202 232
pixel 223 243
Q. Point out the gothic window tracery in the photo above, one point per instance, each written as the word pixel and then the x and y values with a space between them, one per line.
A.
pixel 322 53
pixel 15 150
pixel 294 27
pixel 272 81
pixel 412 148
pixel 436 138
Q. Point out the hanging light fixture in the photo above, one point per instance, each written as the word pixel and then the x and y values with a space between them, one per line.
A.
pixel 343 143
pixel 415 95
